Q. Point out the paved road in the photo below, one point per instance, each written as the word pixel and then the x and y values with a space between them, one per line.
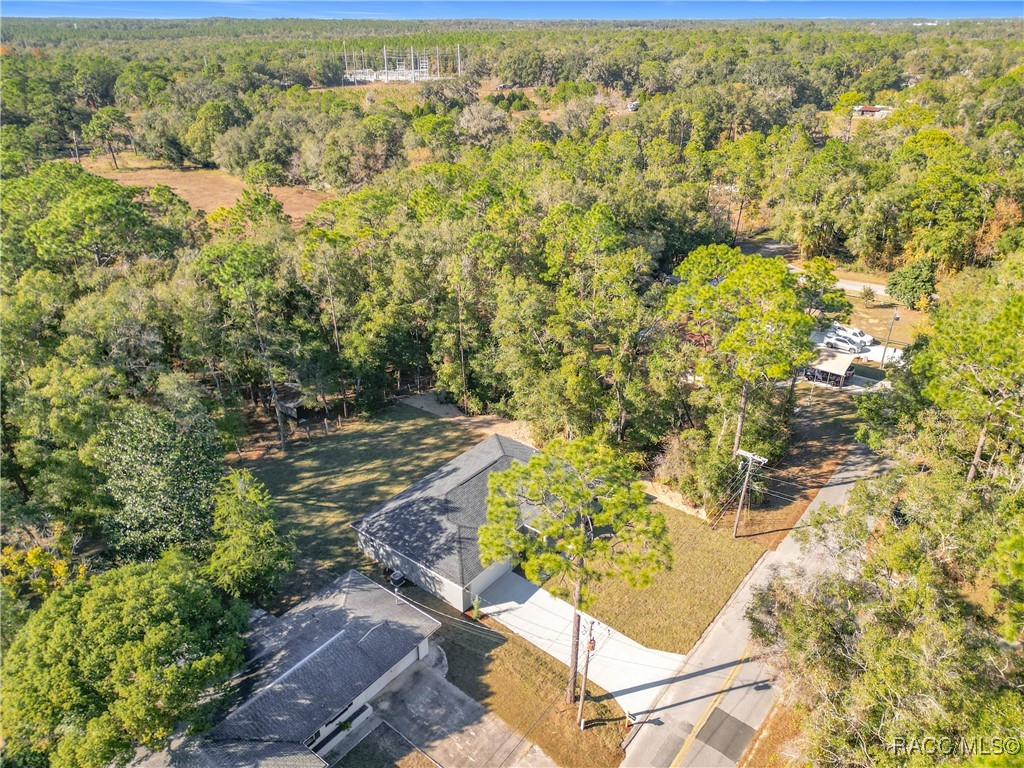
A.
pixel 857 286
pixel 634 674
pixel 707 718
pixel 775 248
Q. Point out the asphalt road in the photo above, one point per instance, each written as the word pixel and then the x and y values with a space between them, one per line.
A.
pixel 708 717
pixel 855 287
pixel 776 248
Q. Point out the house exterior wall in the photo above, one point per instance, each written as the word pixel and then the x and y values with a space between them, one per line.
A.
pixel 422 577
pixel 490 575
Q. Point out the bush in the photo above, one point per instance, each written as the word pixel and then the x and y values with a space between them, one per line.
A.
pixel 699 469
pixel 908 284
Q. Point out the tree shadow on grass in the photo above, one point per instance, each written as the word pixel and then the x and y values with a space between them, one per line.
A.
pixel 823 435
pixel 322 486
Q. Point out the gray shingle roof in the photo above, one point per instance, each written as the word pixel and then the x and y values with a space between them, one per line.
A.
pixel 329 649
pixel 305 668
pixel 435 522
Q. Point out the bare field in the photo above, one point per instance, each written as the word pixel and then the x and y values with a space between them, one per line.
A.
pixel 205 189
pixel 400 93
pixel 876 318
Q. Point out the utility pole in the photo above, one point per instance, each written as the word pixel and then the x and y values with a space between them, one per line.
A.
pixel 751 458
pixel 344 49
pixel 586 667
pixel 888 336
pixel 385 63
pixel 458 50
pixel 412 63
pixel 437 60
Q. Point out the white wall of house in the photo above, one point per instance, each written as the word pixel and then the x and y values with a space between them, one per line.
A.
pixel 490 575
pixel 455 595
pixel 422 577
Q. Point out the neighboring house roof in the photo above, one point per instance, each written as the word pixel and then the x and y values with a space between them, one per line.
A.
pixel 435 522
pixel 304 669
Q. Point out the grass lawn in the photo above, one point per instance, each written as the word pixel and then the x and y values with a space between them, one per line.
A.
pixel 525 688
pixel 774 745
pixel 672 613
pixel 869 371
pixel 322 486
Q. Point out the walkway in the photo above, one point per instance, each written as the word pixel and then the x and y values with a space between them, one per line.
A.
pixel 707 719
pixel 635 675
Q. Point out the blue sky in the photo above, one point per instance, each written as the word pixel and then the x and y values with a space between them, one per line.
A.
pixel 517 9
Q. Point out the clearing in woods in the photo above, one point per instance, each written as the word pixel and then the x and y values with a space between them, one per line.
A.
pixel 204 189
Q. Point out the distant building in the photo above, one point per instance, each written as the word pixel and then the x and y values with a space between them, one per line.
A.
pixel 309 679
pixel 873 112
pixel 429 531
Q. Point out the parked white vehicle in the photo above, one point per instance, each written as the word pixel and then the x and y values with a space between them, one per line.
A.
pixel 854 333
pixel 842 342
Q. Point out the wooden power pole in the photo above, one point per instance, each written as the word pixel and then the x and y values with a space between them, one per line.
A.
pixel 751 458
pixel 586 668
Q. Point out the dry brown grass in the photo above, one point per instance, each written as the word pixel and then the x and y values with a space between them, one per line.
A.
pixel 525 688
pixel 774 744
pixel 672 613
pixel 876 318
pixel 822 436
pixel 203 188
pixel 402 94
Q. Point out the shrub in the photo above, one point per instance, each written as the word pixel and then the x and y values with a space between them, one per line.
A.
pixel 908 284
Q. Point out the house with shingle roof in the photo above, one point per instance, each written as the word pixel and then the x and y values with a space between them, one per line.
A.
pixel 309 679
pixel 429 531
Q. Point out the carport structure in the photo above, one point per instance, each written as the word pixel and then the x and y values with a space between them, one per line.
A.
pixel 832 367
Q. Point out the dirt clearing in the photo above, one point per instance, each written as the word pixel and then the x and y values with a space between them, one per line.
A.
pixel 876 318
pixel 204 189
pixel 822 436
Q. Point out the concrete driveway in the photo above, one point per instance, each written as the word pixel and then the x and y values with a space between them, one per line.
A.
pixel 634 674
pixel 429 715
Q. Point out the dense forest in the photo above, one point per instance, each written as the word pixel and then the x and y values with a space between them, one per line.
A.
pixel 542 254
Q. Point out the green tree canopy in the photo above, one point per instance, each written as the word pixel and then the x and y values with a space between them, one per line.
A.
pixel 162 476
pixel 117 661
pixel 249 555
pixel 912 282
pixel 573 514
